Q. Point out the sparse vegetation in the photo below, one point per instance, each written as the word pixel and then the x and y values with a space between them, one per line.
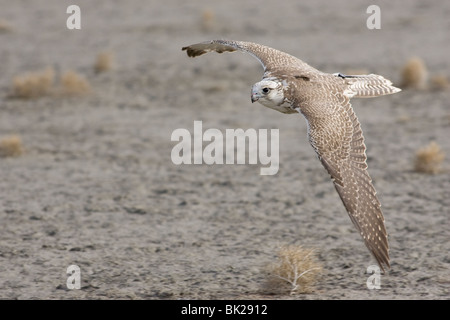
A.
pixel 429 159
pixel 38 84
pixel 439 82
pixel 295 272
pixel 414 74
pixel 11 146
pixel 74 83
pixel 104 62
pixel 33 84
pixel 404 118
pixel 5 27
pixel 208 20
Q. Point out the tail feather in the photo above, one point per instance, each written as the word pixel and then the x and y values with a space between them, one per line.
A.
pixel 367 86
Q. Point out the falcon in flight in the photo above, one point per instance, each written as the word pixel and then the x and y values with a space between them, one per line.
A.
pixel 289 85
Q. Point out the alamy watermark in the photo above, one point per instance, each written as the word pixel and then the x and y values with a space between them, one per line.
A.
pixel 235 146
pixel 374 20
pixel 374 281
pixel 73 22
pixel 74 280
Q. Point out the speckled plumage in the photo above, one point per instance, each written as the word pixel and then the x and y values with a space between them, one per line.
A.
pixel 333 128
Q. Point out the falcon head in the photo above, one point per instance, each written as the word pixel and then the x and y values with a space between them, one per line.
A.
pixel 269 93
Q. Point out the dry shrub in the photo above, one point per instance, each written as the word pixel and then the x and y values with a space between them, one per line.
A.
pixel 414 74
pixel 5 26
pixel 208 20
pixel 296 271
pixel 74 83
pixel 11 146
pixel 33 84
pixel 439 82
pixel 104 62
pixel 404 118
pixel 429 159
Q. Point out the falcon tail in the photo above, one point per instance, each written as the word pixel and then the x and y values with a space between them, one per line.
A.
pixel 368 86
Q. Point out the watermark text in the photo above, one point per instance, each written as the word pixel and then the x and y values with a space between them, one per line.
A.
pixel 235 146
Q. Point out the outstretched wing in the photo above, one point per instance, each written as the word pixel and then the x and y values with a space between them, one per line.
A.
pixel 271 59
pixel 339 143
pixel 368 86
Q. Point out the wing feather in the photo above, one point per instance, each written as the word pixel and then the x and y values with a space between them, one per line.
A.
pixel 347 167
pixel 271 59
pixel 369 85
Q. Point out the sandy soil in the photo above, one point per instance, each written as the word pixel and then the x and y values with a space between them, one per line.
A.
pixel 97 188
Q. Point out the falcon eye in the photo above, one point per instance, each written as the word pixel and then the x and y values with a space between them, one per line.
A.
pixel 265 90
